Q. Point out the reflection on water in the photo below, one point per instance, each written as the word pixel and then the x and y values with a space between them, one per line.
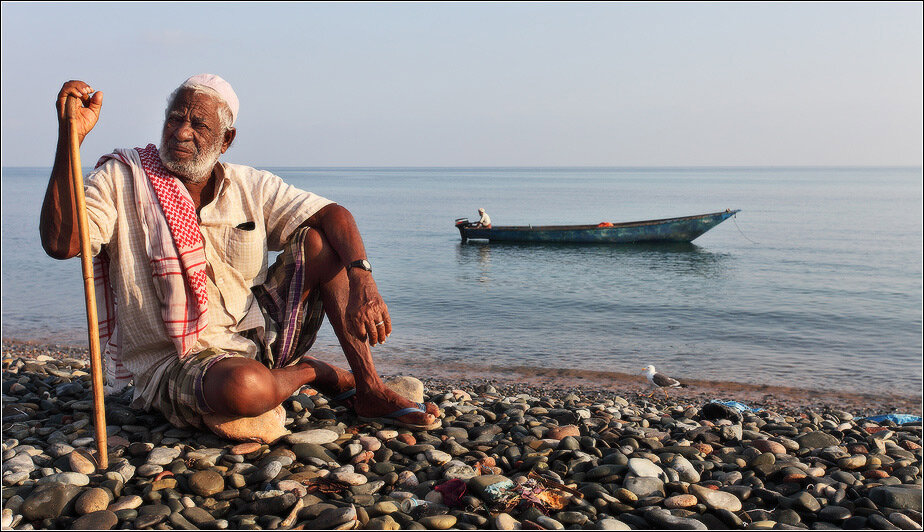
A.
pixel 484 261
pixel 669 257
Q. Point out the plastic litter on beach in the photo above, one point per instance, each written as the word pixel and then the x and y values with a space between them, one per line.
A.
pixel 539 492
pixel 898 419
pixel 532 493
pixel 324 485
pixel 452 492
pixel 741 407
pixel 410 504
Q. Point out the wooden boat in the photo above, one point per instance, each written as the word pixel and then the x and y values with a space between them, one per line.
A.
pixel 683 229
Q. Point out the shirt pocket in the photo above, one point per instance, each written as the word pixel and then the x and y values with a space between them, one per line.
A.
pixel 245 251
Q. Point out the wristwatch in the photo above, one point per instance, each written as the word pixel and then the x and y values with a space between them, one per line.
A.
pixel 361 263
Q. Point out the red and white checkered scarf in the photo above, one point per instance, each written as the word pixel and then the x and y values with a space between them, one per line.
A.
pixel 174 247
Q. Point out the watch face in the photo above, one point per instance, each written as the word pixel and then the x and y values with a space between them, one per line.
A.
pixel 362 264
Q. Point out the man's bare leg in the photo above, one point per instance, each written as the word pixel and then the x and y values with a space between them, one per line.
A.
pixel 244 388
pixel 373 398
pixel 247 397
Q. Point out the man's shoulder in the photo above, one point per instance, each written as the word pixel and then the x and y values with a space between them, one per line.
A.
pixel 252 180
pixel 247 174
pixel 112 168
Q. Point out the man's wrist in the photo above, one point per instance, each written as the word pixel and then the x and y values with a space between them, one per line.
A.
pixel 358 277
pixel 361 264
pixel 358 274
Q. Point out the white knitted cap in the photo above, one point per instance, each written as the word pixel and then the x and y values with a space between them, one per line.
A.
pixel 219 85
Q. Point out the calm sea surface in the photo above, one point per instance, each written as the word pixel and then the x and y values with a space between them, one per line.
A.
pixel 816 283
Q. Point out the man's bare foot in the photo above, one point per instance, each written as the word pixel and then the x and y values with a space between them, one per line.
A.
pixel 265 428
pixel 381 404
pixel 330 380
pixel 333 381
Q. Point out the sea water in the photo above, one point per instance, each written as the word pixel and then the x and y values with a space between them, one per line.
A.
pixel 816 283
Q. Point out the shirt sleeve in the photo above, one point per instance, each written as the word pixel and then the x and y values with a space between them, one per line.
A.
pixel 100 195
pixel 286 207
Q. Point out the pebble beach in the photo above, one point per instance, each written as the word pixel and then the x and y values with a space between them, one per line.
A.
pixel 543 451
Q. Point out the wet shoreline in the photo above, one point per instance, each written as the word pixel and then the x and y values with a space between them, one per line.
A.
pixel 695 390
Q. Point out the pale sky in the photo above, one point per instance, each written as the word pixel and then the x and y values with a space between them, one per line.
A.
pixel 486 84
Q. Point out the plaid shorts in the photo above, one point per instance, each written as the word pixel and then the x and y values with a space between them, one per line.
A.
pixel 290 329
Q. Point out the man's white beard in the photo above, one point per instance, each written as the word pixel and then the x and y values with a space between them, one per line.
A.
pixel 197 169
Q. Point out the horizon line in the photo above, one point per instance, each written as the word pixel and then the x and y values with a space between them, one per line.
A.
pixel 557 167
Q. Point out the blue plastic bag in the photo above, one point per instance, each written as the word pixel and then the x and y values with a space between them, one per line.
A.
pixel 741 407
pixel 898 419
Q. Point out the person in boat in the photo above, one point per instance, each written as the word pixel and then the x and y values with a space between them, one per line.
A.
pixel 485 220
pixel 209 334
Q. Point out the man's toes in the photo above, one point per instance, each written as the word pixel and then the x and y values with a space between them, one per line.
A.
pixel 432 409
pixel 419 418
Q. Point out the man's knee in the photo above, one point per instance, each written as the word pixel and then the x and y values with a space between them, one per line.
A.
pixel 240 387
pixel 323 263
pixel 316 243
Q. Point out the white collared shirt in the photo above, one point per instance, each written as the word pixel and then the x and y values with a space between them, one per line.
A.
pixel 236 253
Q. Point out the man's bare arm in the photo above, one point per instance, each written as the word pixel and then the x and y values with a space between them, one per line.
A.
pixel 58 221
pixel 366 312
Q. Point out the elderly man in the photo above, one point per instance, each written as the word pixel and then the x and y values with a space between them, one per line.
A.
pixel 190 312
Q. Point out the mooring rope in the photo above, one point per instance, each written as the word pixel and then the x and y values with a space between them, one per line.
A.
pixel 735 219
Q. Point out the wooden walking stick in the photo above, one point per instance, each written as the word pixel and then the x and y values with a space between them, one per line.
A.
pixel 86 260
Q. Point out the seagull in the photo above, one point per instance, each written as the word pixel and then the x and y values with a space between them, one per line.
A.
pixel 660 380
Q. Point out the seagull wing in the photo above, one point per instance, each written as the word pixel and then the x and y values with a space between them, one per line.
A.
pixel 664 381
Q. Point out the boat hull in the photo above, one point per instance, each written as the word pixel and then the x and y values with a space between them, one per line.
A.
pixel 684 229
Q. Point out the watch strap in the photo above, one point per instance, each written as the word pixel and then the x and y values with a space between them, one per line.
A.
pixel 362 264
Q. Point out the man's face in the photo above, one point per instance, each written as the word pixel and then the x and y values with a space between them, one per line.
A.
pixel 193 138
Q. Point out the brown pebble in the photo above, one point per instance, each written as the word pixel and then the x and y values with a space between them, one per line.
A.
pixel 236 480
pixel 246 448
pixel 438 522
pixel 704 448
pixel 163 484
pixel 626 496
pixel 126 502
pixel 282 451
pixel 406 438
pixel 767 446
pixel 875 474
pixel 92 500
pixel 304 476
pixel 680 501
pixel 857 448
pixel 81 461
pixel 362 457
pixel 557 433
pixel 116 442
pixel 206 483
pixel 101 520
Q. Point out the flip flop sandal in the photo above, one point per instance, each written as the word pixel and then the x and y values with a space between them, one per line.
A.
pixel 392 418
pixel 344 396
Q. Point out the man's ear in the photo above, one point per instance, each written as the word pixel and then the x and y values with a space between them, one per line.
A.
pixel 229 139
